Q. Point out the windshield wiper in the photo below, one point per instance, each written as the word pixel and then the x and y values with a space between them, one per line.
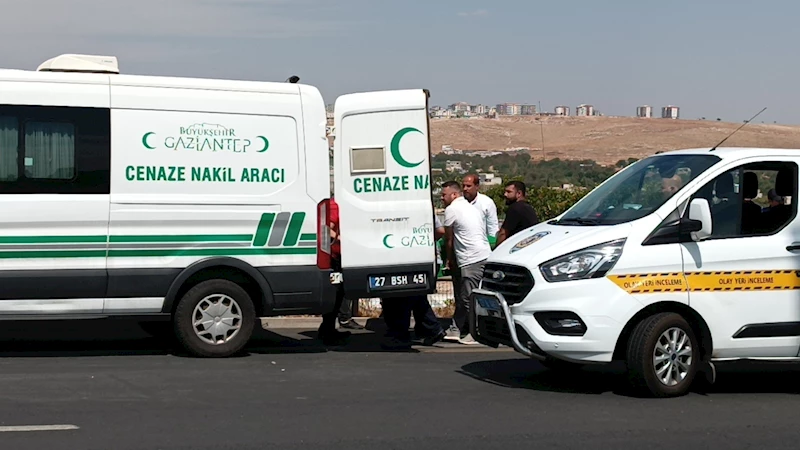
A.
pixel 580 221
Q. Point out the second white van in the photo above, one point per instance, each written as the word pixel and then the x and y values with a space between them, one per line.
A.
pixel 680 260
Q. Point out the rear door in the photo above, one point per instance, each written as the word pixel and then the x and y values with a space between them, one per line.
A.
pixel 382 176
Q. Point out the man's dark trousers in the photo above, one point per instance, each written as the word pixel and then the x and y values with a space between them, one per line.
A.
pixel 329 319
pixel 397 316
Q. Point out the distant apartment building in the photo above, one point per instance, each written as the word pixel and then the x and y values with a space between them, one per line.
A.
pixel 670 112
pixel 453 166
pixel 442 113
pixel 460 107
pixel 584 110
pixel 644 111
pixel 483 153
pixel 509 109
pixel 489 179
pixel 527 110
pixel 480 110
pixel 562 110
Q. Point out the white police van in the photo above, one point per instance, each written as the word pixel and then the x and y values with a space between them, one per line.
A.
pixel 667 265
pixel 204 200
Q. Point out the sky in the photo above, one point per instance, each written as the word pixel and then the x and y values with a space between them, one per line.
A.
pixel 713 58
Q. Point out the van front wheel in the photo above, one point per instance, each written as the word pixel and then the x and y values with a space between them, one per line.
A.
pixel 215 318
pixel 662 356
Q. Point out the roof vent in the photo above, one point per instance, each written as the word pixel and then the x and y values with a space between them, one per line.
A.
pixel 80 63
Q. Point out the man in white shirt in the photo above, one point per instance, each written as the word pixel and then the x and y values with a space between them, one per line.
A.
pixel 467 251
pixel 484 204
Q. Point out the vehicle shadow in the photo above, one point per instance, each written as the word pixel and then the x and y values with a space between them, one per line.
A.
pixel 740 377
pixel 120 337
pixel 124 336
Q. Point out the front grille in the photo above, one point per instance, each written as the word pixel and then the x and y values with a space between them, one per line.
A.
pixel 515 284
pixel 495 329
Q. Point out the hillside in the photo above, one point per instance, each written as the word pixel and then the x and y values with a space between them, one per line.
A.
pixel 603 139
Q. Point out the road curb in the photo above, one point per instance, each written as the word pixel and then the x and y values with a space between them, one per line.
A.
pixel 313 322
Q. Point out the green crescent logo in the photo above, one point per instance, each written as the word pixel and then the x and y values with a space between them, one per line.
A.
pixel 385 238
pixel 395 148
pixel 144 140
pixel 266 144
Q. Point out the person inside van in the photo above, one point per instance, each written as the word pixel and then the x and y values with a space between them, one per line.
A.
pixel 751 212
pixel 774 200
pixel 671 185
pixel 779 214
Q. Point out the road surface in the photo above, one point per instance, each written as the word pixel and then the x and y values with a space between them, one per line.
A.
pixel 65 385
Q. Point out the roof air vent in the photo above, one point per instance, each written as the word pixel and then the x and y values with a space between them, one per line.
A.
pixel 80 63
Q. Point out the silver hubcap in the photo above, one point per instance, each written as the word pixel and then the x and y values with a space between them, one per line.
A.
pixel 672 356
pixel 217 319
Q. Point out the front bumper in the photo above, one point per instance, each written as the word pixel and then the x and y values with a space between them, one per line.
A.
pixel 525 326
pixel 493 326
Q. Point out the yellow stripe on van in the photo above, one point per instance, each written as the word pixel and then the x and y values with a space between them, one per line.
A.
pixel 747 280
pixel 645 283
pixel 753 280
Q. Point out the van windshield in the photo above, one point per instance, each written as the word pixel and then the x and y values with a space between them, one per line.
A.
pixel 638 190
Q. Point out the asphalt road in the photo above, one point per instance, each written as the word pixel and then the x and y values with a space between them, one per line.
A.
pixel 118 389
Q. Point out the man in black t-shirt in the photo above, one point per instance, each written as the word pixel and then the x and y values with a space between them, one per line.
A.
pixel 520 215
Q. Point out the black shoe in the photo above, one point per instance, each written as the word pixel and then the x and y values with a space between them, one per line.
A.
pixel 430 340
pixel 351 325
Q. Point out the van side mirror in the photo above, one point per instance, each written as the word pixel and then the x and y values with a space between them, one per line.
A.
pixel 699 223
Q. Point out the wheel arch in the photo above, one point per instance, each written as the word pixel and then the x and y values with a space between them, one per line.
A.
pixel 695 320
pixel 227 268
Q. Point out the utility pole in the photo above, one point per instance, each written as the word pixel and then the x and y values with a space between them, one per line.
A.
pixel 541 126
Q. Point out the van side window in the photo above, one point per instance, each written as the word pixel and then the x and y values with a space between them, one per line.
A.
pixel 54 150
pixel 9 148
pixel 49 150
pixel 752 200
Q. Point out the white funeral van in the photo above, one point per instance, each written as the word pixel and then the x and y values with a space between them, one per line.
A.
pixel 204 200
pixel 668 265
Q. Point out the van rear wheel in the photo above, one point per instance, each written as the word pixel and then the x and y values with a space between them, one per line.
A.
pixel 662 356
pixel 215 318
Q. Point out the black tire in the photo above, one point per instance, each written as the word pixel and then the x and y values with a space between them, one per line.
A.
pixel 641 347
pixel 183 320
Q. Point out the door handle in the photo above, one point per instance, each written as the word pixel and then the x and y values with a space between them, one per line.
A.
pixel 794 246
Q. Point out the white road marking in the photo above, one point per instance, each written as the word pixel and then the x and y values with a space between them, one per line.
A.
pixel 23 428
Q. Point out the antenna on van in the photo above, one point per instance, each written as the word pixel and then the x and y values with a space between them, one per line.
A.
pixel 734 131
pixel 293 79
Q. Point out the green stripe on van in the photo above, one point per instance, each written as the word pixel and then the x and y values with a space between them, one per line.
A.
pixel 126 239
pixel 52 239
pixel 184 238
pixel 253 251
pixel 53 254
pixel 293 232
pixel 264 227
pixel 308 237
pixel 152 253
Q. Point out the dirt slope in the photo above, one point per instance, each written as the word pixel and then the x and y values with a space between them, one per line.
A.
pixel 603 139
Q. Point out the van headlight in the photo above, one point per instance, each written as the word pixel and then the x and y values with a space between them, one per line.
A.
pixel 592 262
